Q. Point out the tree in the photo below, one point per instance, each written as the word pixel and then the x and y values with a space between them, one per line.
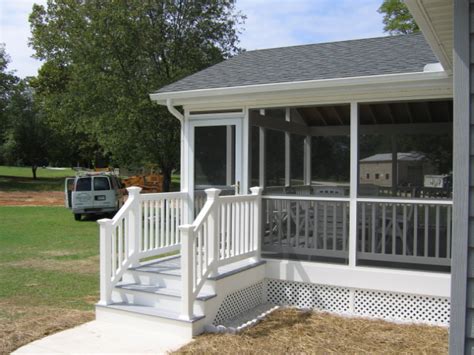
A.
pixel 7 84
pixel 103 59
pixel 26 138
pixel 397 19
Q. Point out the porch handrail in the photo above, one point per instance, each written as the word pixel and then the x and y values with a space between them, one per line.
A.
pixel 206 240
pixel 119 244
pixel 306 198
pixel 145 226
pixel 418 201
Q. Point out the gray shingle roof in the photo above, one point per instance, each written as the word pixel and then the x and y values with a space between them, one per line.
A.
pixel 364 57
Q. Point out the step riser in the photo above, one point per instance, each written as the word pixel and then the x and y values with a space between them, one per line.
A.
pixel 145 278
pixel 153 324
pixel 159 301
pixel 162 280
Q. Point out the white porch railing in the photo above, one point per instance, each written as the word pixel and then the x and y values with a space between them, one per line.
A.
pixel 145 226
pixel 405 231
pixel 225 231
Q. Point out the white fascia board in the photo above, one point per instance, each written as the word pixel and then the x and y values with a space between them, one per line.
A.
pixel 423 21
pixel 369 81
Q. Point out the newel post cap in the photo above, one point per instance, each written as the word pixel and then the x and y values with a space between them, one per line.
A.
pixel 134 191
pixel 104 221
pixel 256 190
pixel 185 227
pixel 212 193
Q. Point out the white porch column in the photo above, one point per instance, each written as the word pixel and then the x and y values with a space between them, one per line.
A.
pixel 354 174
pixel 188 169
pixel 287 150
pixel 245 154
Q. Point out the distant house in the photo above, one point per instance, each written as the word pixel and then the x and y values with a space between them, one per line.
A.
pixel 410 169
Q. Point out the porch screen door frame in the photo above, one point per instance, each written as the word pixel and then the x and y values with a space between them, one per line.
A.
pixel 214 122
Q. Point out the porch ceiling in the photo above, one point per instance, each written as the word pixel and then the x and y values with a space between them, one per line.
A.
pixel 380 113
pixel 435 19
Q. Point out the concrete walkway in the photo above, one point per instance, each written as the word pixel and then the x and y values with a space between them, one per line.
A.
pixel 98 337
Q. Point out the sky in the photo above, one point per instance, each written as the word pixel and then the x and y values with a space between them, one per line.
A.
pixel 269 23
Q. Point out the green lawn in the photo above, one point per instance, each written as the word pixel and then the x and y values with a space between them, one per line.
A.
pixel 20 171
pixel 13 178
pixel 32 236
pixel 48 270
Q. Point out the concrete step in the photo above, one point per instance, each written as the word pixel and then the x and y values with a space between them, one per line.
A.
pixel 152 319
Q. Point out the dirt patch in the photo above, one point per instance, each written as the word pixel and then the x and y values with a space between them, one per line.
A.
pixel 32 198
pixel 290 331
pixel 22 325
pixel 82 266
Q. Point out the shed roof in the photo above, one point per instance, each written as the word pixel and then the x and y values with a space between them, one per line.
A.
pixel 386 157
pixel 354 58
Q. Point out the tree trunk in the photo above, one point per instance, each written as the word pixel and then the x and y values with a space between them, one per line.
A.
pixel 166 180
pixel 33 170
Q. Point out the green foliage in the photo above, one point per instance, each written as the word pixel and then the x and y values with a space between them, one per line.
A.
pixel 397 19
pixel 103 59
pixel 7 84
pixel 26 135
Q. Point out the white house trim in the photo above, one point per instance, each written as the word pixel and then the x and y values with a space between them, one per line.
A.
pixel 428 80
pixel 432 35
pixel 370 278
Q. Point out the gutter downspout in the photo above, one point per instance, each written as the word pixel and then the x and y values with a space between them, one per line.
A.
pixel 174 111
pixel 183 176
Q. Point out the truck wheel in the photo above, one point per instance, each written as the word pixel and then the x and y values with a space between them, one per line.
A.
pixel 77 216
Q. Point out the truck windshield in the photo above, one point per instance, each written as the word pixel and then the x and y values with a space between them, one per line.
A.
pixel 83 184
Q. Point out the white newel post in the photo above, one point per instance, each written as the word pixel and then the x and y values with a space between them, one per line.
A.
pixel 257 217
pixel 134 224
pixel 187 239
pixel 213 228
pixel 105 261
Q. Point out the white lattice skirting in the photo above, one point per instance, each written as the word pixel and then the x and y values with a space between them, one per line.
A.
pixel 391 306
pixel 239 302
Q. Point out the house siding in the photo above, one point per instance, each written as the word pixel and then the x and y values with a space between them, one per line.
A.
pixel 470 245
pixel 462 285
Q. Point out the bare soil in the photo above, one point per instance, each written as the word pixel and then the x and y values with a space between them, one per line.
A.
pixel 32 198
pixel 291 331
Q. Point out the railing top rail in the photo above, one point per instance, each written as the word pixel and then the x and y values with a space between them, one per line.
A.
pixel 133 194
pixel 305 198
pixel 237 198
pixel 162 195
pixel 203 214
pixel 418 201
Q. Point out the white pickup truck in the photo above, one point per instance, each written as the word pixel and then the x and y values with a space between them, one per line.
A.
pixel 93 193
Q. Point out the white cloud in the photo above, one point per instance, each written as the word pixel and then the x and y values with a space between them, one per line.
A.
pixel 270 23
pixel 15 31
pixel 278 23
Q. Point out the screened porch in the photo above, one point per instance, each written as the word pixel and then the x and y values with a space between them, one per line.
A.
pixel 374 190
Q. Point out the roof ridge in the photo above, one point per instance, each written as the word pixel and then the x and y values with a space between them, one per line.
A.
pixel 332 42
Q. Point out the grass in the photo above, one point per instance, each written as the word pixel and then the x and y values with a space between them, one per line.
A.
pixel 49 272
pixel 20 171
pixel 13 178
pixel 290 331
